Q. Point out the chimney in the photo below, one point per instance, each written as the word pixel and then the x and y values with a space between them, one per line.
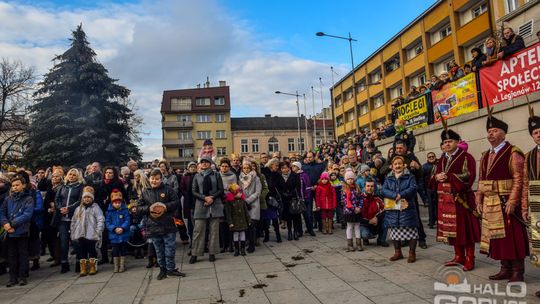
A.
pixel 222 83
pixel 198 86
pixel 207 82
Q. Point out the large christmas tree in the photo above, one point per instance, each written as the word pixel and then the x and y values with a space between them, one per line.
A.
pixel 81 115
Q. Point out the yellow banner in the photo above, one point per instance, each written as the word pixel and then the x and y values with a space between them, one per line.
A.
pixel 456 98
pixel 415 113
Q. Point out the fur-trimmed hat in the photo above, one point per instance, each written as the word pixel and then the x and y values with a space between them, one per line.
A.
pixel 493 122
pixel 116 195
pixel 534 123
pixel 88 191
pixel 450 134
pixel 297 164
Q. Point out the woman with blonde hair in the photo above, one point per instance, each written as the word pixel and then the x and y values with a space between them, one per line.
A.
pixel 492 49
pixel 67 200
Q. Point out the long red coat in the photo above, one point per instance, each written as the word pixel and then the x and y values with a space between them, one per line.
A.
pixel 325 196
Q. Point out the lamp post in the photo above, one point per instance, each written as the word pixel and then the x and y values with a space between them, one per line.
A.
pixel 322 110
pixel 305 122
pixel 350 39
pixel 314 116
pixel 298 114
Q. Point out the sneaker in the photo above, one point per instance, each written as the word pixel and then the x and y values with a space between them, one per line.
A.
pixel 23 282
pixel 366 242
pixel 11 283
pixel 212 258
pixel 162 274
pixel 193 259
pixel 175 273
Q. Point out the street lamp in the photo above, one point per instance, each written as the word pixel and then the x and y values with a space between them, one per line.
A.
pixel 350 39
pixel 298 114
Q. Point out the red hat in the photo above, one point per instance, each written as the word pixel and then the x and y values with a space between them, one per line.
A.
pixel 116 195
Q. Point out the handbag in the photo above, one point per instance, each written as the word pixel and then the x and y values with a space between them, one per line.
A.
pixel 298 206
pixel 274 202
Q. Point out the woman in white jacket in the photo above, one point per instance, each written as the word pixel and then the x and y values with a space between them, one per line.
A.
pixel 251 186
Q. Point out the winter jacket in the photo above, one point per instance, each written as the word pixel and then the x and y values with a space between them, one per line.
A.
pixel 305 185
pixel 87 222
pixel 17 210
pixel 236 213
pixel 38 216
pixel 107 188
pixel 314 171
pixel 215 210
pixel 356 201
pixel 513 45
pixel 252 193
pixel 405 186
pixel 185 188
pixel 171 181
pixel 118 218
pixel 68 195
pixel 373 206
pixel 164 224
pixel 264 192
pixel 325 196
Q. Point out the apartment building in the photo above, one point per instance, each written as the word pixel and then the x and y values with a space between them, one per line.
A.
pixel 191 116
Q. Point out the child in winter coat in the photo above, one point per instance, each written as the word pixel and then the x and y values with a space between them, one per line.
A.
pixel 118 222
pixel 325 200
pixel 237 216
pixel 337 184
pixel 86 228
pixel 352 208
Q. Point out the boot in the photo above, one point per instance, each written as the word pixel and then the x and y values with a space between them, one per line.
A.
pixel 518 268
pixel 65 268
pixel 359 246
pixel 325 227
pixel 266 236
pixel 505 273
pixel 236 249
pixel 350 247
pixel 243 248
pixel 459 256
pixel 330 226
pixel 92 266
pixel 469 258
pixel 35 264
pixel 289 234
pixel 122 265
pixel 397 251
pixel 276 230
pixel 151 262
pixel 116 262
pixel 412 251
pixel 83 271
pixel 162 273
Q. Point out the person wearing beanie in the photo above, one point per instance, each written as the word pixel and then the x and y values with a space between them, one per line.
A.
pixel 531 175
pixel 352 207
pixel 363 173
pixel 453 179
pixel 87 225
pixel 207 150
pixel 118 222
pixel 305 190
pixel 325 202
pixel 501 206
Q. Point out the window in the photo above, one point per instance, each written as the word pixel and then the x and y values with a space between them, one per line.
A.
pixel 421 79
pixel 392 64
pixel 378 101
pixel 511 5
pixel 220 117
pixel 348 94
pixel 255 145
pixel 220 134
pixel 442 66
pixel 318 142
pixel 181 104
pixel 290 144
pixel 244 146
pixel 338 101
pixel 203 118
pixel 302 145
pixel 361 85
pixel 395 92
pixel 339 120
pixel 415 50
pixel 349 115
pixel 379 122
pixel 204 135
pixel 479 44
pixel 526 29
pixel 185 152
pixel 183 117
pixel 221 151
pixel 184 135
pixel 219 101
pixel 202 101
pixel 440 33
pixel 363 108
pixel 375 76
pixel 479 10
pixel 273 145
pixel 445 31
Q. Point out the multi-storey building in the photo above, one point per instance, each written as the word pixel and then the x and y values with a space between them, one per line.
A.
pixel 446 31
pixel 191 116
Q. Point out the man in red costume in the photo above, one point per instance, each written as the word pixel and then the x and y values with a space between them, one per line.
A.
pixel 457 222
pixel 503 235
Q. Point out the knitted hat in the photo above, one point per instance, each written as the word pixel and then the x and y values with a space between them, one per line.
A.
pixel 297 164
pixel 116 195
pixel 325 175
pixel 192 164
pixel 207 142
pixel 88 192
pixel 206 158
pixel 363 168
pixel 349 174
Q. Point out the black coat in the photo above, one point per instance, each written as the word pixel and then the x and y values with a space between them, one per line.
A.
pixel 288 190
pixel 165 223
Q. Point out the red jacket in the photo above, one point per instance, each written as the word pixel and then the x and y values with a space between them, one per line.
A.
pixel 325 196
pixel 372 206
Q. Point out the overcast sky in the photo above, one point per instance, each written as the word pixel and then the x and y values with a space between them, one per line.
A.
pixel 258 47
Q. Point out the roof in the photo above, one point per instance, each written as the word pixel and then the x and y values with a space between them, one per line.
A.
pixel 267 123
pixel 194 93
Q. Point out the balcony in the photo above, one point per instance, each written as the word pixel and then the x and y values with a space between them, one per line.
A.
pixel 414 64
pixel 177 125
pixel 473 29
pixel 441 48
pixel 177 142
pixel 180 159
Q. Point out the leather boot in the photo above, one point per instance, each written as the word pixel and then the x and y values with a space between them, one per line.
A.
pixel 397 251
pixel 412 251
pixel 359 246
pixel 330 226
pixel 289 234
pixel 325 226
pixel 116 262
pixel 65 268
pixel 469 258
pixel 236 249
pixel 459 256
pixel 350 247
pixel 505 273
pixel 122 264
pixel 83 263
pixel 518 268
pixel 243 248
pixel 92 266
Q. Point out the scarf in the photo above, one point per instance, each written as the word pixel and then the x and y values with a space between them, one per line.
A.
pixel 348 199
pixel 490 51
pixel 286 176
pixel 247 179
pixel 207 182
pixel 107 181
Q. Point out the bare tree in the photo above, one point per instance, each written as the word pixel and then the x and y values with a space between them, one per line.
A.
pixel 16 85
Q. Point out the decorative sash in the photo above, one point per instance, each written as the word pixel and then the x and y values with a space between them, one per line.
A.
pixel 446 220
pixel 492 213
pixel 534 214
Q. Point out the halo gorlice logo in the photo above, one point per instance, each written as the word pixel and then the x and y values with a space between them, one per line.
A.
pixel 453 286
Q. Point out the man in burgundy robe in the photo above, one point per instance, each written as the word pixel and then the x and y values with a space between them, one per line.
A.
pixel 457 222
pixel 503 235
